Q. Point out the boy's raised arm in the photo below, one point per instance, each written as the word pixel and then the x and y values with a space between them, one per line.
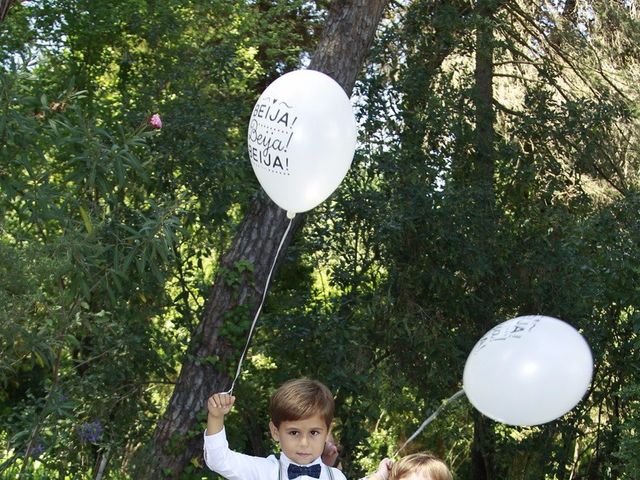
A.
pixel 218 405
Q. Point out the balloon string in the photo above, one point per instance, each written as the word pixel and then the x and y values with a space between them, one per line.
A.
pixel 452 398
pixel 255 318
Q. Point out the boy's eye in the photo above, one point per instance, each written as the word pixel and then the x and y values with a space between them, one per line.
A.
pixel 293 433
pixel 315 432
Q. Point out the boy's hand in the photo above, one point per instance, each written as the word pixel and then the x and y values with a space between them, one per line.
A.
pixel 219 404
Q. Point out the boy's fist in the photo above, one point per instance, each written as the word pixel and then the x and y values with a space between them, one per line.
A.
pixel 219 404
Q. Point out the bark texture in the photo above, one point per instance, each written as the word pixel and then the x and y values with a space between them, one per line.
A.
pixel 341 52
pixel 4 8
pixel 483 447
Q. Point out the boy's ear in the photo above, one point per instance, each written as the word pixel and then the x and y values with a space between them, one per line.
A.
pixel 274 432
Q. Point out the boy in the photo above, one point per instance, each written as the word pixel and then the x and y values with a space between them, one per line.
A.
pixel 301 416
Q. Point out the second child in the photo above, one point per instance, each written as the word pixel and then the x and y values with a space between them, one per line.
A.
pixel 417 466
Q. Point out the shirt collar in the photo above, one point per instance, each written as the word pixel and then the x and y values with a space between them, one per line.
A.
pixel 284 461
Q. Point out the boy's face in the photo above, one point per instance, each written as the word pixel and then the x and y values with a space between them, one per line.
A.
pixel 302 441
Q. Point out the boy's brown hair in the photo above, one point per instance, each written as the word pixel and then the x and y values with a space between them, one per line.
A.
pixel 300 399
pixel 426 465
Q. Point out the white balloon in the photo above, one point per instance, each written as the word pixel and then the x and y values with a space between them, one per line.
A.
pixel 528 370
pixel 301 139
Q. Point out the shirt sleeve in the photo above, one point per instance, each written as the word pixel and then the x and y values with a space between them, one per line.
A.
pixel 234 465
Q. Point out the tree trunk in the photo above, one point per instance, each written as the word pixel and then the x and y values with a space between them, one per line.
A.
pixel 481 448
pixel 4 8
pixel 177 440
pixel 483 190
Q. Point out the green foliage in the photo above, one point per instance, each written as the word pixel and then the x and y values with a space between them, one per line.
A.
pixel 86 246
pixel 111 232
pixel 121 226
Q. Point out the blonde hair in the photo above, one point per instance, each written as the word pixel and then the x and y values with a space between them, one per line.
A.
pixel 300 399
pixel 426 465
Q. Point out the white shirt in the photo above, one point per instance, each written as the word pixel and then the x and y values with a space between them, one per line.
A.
pixel 238 466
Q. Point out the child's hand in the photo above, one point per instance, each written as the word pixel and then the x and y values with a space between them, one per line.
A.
pixel 219 404
pixel 384 469
pixel 330 453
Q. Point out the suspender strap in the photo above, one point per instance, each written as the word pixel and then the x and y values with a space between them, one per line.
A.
pixel 330 471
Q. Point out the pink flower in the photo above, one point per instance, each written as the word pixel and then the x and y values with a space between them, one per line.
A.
pixel 155 121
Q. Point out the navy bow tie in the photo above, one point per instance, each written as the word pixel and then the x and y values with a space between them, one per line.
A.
pixel 296 470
